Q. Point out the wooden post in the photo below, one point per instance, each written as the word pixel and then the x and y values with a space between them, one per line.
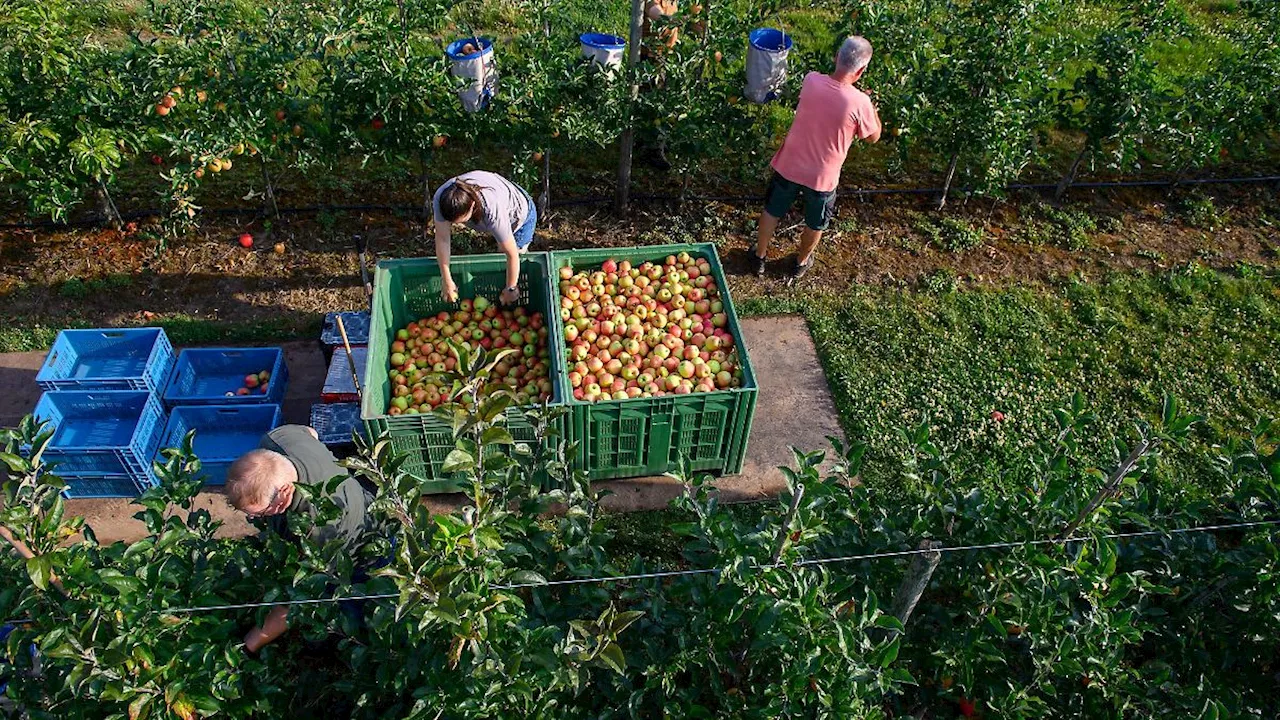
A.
pixel 912 587
pixel 784 532
pixel 626 144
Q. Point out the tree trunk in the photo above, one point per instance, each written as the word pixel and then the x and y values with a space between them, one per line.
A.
pixel 426 194
pixel 784 531
pixel 107 207
pixel 544 197
pixel 271 192
pixel 946 185
pixel 1070 177
pixel 626 144
pixel 1110 486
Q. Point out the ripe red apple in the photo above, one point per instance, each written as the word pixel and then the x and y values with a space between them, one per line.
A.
pixel 997 416
pixel 246 240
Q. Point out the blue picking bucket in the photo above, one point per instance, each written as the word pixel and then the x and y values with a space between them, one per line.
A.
pixel 476 71
pixel 770 40
pixel 454 49
pixel 603 49
pixel 766 64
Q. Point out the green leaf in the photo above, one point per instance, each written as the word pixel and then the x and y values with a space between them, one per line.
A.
pixel 457 460
pixel 890 652
pixel 889 622
pixel 124 584
pixel 40 568
pixel 15 463
pixel 497 436
pixel 612 656
pixel 624 620
pixel 527 577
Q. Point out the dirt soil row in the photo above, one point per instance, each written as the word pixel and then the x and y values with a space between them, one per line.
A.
pixel 305 263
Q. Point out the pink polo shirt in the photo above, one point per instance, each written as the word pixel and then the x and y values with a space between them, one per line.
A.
pixel 828 118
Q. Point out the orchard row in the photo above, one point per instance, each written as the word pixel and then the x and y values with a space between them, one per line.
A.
pixel 198 90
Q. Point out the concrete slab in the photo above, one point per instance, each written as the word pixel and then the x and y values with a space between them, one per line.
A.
pixel 794 407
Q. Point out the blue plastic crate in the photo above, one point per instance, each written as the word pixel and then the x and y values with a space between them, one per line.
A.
pixel 339 385
pixel 223 434
pixel 355 323
pixel 204 376
pixel 334 422
pixel 101 433
pixel 92 486
pixel 108 359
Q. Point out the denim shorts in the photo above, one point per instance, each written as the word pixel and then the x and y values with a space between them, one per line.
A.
pixel 819 207
pixel 524 233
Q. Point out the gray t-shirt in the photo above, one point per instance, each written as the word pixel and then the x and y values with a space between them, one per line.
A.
pixel 506 207
pixel 316 466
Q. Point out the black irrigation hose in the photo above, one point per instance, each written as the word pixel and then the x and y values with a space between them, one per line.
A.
pixel 575 202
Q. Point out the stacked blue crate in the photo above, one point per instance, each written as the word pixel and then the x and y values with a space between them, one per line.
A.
pixel 102 398
pixel 337 414
pixel 107 392
pixel 210 393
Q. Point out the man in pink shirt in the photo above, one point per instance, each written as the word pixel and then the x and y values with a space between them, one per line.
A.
pixel 830 115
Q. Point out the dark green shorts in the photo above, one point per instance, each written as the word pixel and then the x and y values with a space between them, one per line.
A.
pixel 819 207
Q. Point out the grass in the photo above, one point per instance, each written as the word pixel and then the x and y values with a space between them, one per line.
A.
pixel 895 358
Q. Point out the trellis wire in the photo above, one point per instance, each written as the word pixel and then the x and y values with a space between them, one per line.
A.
pixel 710 571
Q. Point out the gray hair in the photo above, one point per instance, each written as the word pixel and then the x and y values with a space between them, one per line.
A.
pixel 854 54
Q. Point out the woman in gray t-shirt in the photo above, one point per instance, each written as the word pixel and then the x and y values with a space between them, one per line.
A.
pixel 489 203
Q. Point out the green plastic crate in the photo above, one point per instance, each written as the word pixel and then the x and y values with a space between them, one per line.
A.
pixel 405 290
pixel 637 437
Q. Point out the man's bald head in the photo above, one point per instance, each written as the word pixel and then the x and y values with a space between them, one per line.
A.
pixel 257 480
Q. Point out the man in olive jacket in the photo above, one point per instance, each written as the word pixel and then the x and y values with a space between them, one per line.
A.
pixel 262 484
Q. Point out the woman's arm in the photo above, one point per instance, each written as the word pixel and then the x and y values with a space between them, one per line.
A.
pixel 508 248
pixel 448 291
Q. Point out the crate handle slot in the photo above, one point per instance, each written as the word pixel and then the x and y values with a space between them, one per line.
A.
pixel 232 353
pixel 229 411
pixel 112 334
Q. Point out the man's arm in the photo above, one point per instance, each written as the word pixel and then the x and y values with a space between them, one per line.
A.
pixel 273 626
pixel 873 125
